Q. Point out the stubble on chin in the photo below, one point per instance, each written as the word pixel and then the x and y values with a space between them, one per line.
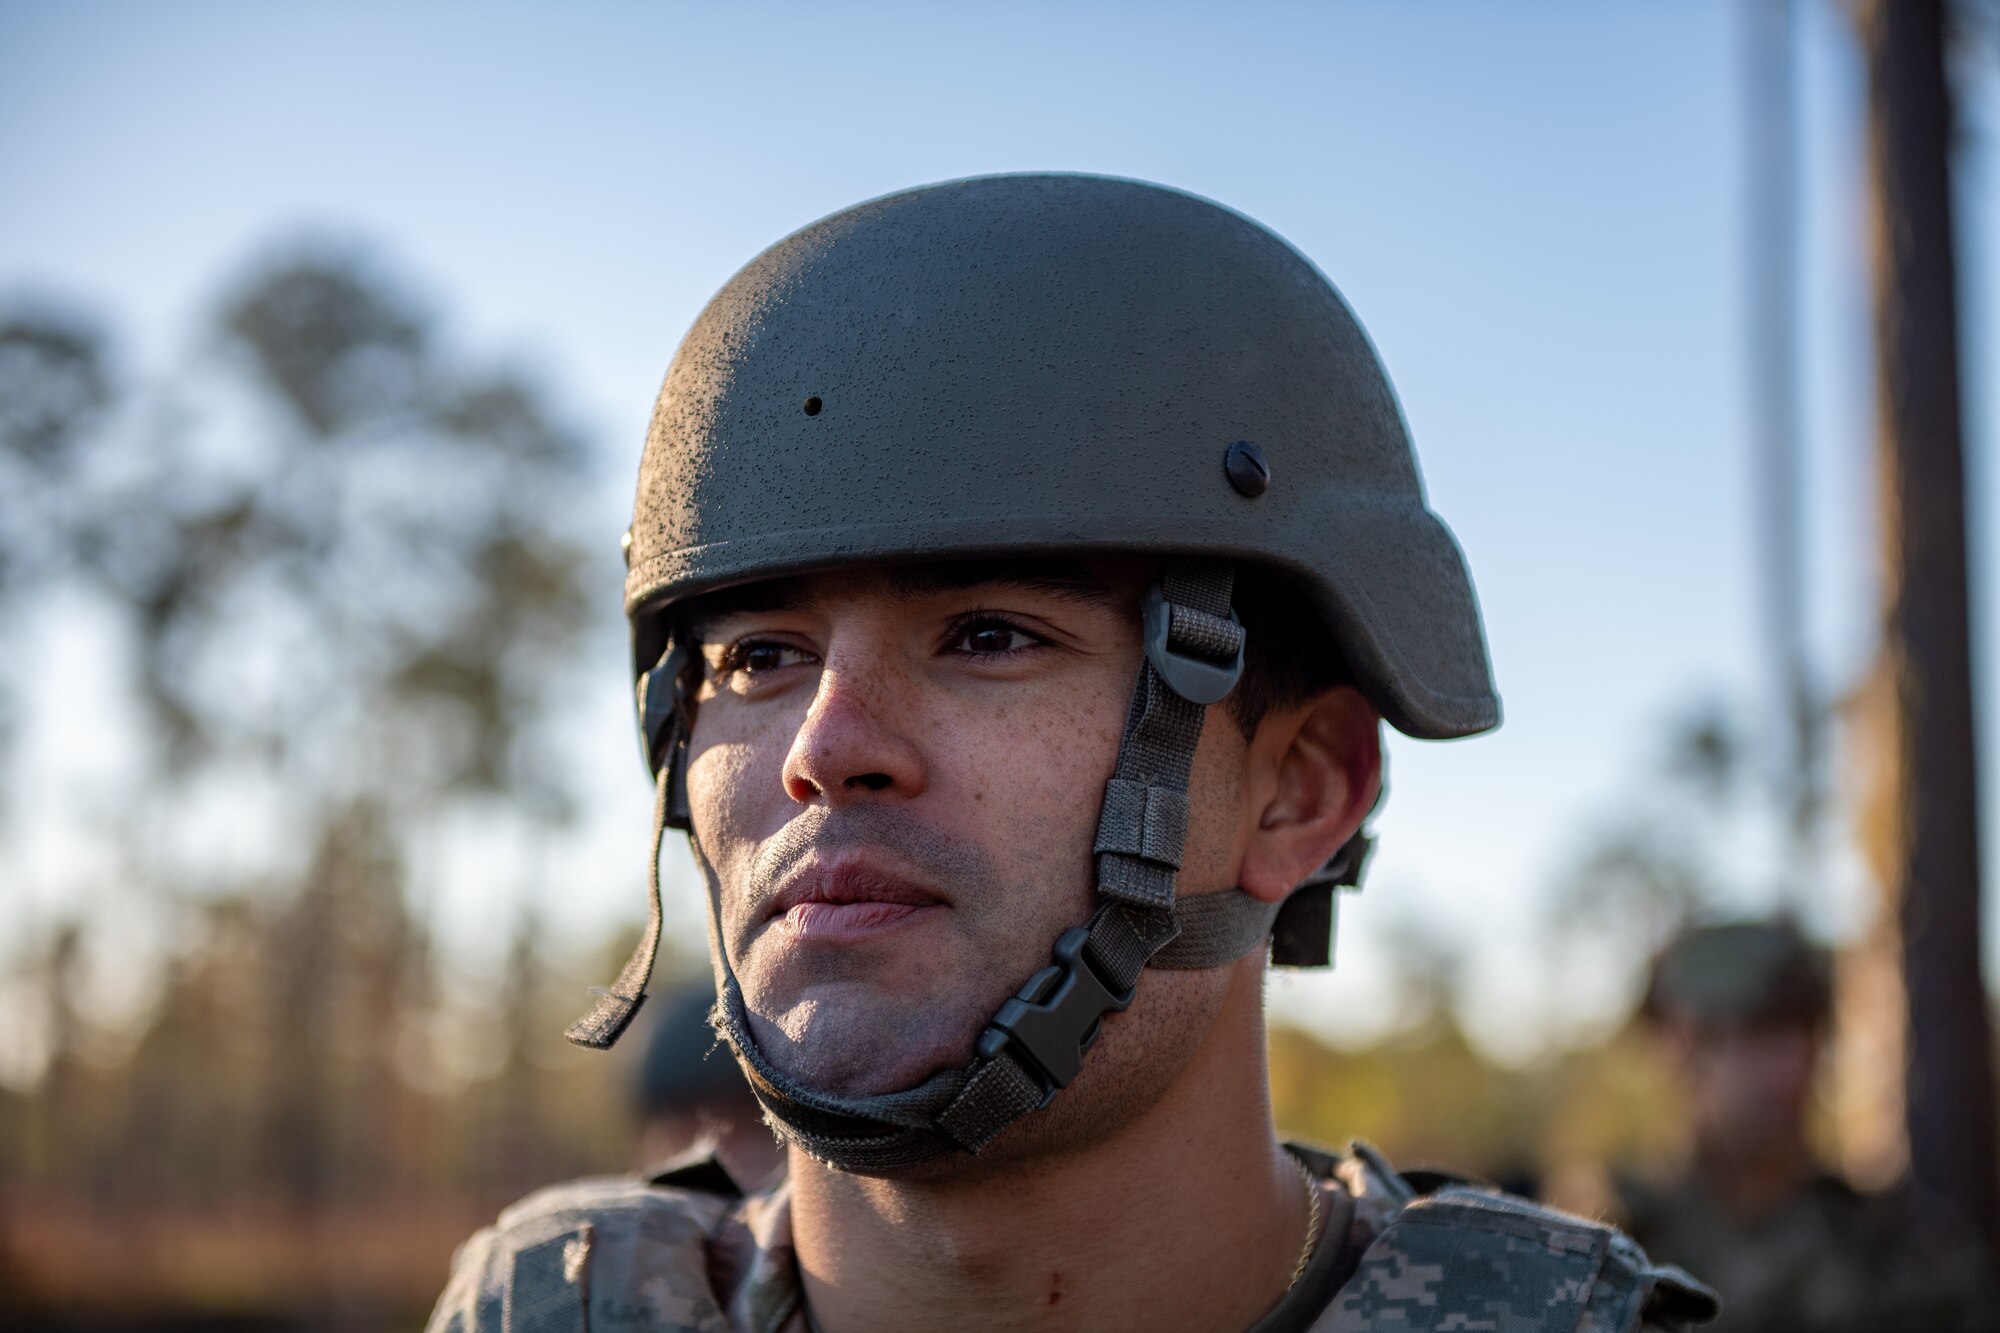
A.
pixel 854 1042
pixel 884 1016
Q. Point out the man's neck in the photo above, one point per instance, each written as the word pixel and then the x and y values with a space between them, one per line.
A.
pixel 1189 1216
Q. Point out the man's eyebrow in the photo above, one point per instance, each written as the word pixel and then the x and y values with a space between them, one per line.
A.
pixel 701 613
pixel 1067 579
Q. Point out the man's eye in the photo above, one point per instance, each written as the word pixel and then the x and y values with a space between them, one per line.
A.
pixel 990 638
pixel 760 655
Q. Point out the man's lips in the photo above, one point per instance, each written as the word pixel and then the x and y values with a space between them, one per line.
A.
pixel 849 902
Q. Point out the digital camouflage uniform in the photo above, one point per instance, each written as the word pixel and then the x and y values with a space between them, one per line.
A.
pixel 684 1250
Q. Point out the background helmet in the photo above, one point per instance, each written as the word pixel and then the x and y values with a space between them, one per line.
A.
pixel 1741 974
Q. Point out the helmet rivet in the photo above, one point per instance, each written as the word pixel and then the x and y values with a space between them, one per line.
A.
pixel 813 406
pixel 1247 470
pixel 625 547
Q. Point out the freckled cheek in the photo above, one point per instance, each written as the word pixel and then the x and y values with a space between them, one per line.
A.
pixel 1033 765
pixel 735 782
pixel 1217 835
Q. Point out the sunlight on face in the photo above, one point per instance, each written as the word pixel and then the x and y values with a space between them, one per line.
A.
pixel 895 775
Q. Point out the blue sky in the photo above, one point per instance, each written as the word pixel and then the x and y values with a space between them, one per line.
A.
pixel 1534 207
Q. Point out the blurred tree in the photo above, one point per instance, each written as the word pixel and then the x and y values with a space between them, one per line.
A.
pixel 345 575
pixel 1923 821
pixel 376 590
pixel 1652 866
pixel 1429 969
pixel 1773 253
pixel 54 389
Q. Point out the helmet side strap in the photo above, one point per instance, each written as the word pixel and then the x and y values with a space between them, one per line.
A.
pixel 1037 1040
pixel 664 723
pixel 618 1004
pixel 1303 934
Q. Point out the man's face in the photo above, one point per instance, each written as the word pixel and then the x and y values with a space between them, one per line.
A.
pixel 1747 1084
pixel 895 775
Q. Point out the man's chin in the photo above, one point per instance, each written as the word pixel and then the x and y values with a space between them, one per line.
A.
pixel 843 1053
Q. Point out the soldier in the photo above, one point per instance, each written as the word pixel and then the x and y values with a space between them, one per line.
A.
pixel 1021 569
pixel 1741 1010
pixel 690 1094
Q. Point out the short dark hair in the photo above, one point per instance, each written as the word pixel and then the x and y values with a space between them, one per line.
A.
pixel 1289 654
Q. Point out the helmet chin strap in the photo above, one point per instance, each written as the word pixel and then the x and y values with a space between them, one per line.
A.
pixel 618 1004
pixel 1034 1045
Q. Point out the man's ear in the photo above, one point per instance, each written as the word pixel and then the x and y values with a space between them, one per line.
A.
pixel 1315 770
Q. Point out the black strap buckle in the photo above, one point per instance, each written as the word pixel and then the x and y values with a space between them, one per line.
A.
pixel 1194 679
pixel 659 703
pixel 1056 1016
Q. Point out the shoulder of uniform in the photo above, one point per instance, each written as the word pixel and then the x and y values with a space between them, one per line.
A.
pixel 698 1169
pixel 567 1252
pixel 617 1201
pixel 1459 1252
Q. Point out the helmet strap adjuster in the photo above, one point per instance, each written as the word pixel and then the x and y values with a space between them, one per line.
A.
pixel 1191 649
pixel 664 726
pixel 1055 1017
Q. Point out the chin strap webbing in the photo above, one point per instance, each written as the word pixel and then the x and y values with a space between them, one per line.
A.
pixel 617 1005
pixel 663 733
pixel 1215 928
pixel 1036 1041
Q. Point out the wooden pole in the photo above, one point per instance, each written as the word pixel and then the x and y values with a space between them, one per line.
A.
pixel 1933 881
pixel 1772 253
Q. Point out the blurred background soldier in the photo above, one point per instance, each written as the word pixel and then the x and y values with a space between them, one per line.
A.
pixel 1740 1011
pixel 691 1094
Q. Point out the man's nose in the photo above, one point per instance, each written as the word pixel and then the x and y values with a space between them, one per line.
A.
pixel 854 741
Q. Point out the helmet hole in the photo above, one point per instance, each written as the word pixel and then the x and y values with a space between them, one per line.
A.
pixel 813 406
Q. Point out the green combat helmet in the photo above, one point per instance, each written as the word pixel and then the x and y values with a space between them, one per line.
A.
pixel 1049 365
pixel 1741 974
